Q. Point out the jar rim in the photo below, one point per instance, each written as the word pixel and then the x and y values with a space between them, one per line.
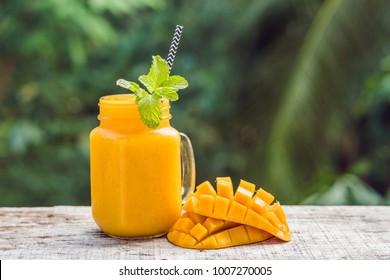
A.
pixel 124 107
pixel 125 100
pixel 117 99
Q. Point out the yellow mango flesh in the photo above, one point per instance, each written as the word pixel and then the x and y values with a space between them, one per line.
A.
pixel 222 218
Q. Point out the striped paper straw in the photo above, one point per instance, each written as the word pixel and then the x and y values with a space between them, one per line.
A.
pixel 174 45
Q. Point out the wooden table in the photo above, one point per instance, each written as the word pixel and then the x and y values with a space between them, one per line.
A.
pixel 318 232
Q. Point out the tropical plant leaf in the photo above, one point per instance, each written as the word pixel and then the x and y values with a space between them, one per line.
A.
pixel 339 48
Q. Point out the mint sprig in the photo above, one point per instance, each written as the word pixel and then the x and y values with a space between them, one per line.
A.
pixel 158 85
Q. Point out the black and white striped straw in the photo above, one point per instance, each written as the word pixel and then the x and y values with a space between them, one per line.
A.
pixel 174 45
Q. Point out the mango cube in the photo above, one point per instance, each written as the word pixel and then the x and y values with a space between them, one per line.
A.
pixel 225 188
pixel 221 207
pixel 206 188
pixel 198 232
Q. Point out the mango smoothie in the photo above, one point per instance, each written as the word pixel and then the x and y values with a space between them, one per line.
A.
pixel 135 171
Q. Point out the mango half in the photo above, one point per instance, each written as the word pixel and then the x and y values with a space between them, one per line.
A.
pixel 221 218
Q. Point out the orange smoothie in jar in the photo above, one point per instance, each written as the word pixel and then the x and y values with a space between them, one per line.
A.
pixel 135 171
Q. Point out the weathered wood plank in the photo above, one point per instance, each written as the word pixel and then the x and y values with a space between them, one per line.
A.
pixel 318 232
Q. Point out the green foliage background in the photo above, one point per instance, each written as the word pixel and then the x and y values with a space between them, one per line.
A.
pixel 293 95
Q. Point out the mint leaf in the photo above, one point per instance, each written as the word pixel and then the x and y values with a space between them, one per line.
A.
pixel 138 91
pixel 158 73
pixel 167 92
pixel 141 93
pixel 134 87
pixel 147 82
pixel 175 82
pixel 159 85
pixel 123 83
pixel 149 108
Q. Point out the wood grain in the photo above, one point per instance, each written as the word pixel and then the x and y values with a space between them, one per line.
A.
pixel 318 232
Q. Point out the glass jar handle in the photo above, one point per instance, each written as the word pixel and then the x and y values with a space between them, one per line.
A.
pixel 187 166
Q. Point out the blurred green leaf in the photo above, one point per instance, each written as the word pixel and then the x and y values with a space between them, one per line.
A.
pixel 118 7
pixel 347 190
pixel 24 134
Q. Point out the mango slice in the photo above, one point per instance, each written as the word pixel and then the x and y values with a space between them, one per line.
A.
pixel 222 218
